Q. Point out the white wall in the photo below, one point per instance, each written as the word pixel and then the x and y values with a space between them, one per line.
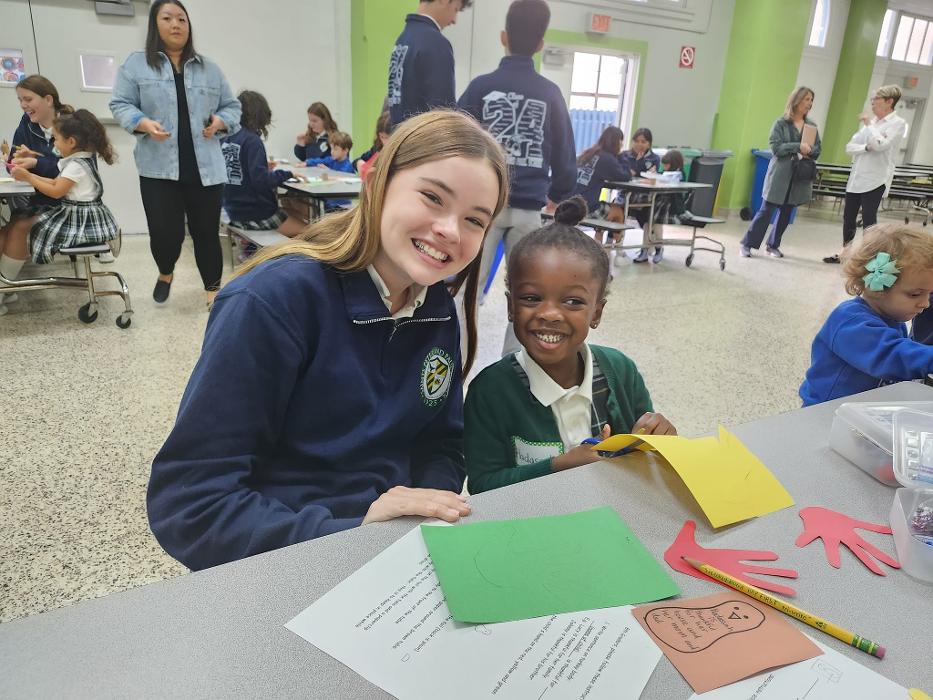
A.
pixel 818 65
pixel 678 104
pixel 271 52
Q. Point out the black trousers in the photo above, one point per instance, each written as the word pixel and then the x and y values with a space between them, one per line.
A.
pixel 168 203
pixel 869 203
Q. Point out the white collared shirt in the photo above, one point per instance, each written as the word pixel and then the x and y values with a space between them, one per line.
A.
pixel 85 188
pixel 571 407
pixel 871 169
pixel 416 295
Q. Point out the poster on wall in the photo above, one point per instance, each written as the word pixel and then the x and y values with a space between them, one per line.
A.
pixel 12 67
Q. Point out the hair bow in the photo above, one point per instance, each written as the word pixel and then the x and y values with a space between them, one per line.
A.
pixel 882 273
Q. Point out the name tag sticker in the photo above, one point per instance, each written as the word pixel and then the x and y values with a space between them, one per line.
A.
pixel 528 452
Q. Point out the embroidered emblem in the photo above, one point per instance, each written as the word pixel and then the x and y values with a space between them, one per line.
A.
pixel 436 375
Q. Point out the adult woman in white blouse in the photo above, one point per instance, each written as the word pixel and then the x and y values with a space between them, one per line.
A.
pixel 873 148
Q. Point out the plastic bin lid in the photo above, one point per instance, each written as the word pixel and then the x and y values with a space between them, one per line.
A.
pixel 717 154
pixel 913 448
pixel 875 420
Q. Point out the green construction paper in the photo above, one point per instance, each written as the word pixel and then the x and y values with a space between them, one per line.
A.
pixel 518 569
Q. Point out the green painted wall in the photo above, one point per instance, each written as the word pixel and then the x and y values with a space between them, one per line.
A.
pixel 765 46
pixel 856 62
pixel 630 46
pixel 374 27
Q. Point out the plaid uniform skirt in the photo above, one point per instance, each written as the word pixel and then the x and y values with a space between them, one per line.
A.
pixel 70 224
pixel 270 224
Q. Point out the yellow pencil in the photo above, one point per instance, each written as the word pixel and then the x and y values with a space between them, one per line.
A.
pixel 819 623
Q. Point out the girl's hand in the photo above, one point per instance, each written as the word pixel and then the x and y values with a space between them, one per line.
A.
pixel 428 503
pixel 865 118
pixel 153 128
pixel 578 456
pixel 654 424
pixel 25 152
pixel 26 163
pixel 20 174
pixel 302 139
pixel 805 149
pixel 216 124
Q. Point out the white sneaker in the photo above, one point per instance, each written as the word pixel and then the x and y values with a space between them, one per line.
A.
pixel 3 309
pixel 10 296
pixel 106 257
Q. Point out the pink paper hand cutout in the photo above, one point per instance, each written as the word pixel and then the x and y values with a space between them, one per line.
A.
pixel 835 529
pixel 727 560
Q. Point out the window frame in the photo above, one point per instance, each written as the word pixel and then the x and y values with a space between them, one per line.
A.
pixel 822 22
pixel 891 39
pixel 596 95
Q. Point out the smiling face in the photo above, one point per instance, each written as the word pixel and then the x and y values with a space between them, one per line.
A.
pixel 640 145
pixel 173 26
pixel 554 300
pixel 908 297
pixel 40 110
pixel 434 217
pixel 65 146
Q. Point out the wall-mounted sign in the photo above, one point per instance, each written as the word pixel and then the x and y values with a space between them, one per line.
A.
pixel 599 24
pixel 12 67
pixel 688 55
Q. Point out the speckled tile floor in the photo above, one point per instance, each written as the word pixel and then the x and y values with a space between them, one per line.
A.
pixel 86 407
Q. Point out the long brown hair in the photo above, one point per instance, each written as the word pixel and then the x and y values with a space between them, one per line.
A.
pixel 794 99
pixel 88 133
pixel 43 87
pixel 610 140
pixel 349 241
pixel 319 109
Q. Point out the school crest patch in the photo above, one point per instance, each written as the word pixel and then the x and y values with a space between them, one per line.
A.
pixel 436 375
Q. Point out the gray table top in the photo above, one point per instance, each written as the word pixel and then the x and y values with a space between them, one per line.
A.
pixel 219 632
pixel 339 185
pixel 8 188
pixel 646 185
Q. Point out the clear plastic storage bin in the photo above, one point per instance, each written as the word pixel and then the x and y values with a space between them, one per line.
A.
pixel 913 468
pixel 863 433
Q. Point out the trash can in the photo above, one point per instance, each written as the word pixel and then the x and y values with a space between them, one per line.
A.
pixel 762 159
pixel 707 168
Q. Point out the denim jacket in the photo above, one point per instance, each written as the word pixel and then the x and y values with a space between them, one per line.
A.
pixel 142 91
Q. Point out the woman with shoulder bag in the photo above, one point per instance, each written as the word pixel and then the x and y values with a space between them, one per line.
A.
pixel 789 181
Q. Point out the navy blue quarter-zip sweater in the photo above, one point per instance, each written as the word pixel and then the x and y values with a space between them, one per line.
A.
pixel 249 194
pixel 421 70
pixel 527 115
pixel 308 402
pixel 593 174
pixel 31 135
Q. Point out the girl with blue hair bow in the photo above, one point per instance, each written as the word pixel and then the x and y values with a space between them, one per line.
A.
pixel 864 342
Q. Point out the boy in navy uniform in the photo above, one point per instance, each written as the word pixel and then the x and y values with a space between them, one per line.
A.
pixel 526 113
pixel 421 69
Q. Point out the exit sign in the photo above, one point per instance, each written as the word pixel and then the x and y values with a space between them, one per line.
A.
pixel 599 24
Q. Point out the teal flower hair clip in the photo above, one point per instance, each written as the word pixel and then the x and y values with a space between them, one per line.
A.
pixel 882 273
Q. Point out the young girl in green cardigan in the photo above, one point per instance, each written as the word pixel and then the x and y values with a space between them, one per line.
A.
pixel 526 415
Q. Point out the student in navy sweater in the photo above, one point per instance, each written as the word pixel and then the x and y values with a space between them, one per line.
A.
pixel 864 342
pixel 347 406
pixel 421 68
pixel 527 115
pixel 638 159
pixel 33 143
pixel 312 143
pixel 250 193
pixel 598 164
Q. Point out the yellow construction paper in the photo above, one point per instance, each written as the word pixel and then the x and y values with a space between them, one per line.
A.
pixel 917 694
pixel 728 481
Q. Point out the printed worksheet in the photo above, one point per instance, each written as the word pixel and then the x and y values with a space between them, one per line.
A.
pixel 389 622
pixel 831 676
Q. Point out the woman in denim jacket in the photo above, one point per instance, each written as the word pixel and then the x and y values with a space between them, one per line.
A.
pixel 178 104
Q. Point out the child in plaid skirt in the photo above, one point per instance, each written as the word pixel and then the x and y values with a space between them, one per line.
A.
pixel 81 218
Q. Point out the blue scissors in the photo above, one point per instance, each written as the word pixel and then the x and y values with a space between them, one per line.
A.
pixel 618 453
